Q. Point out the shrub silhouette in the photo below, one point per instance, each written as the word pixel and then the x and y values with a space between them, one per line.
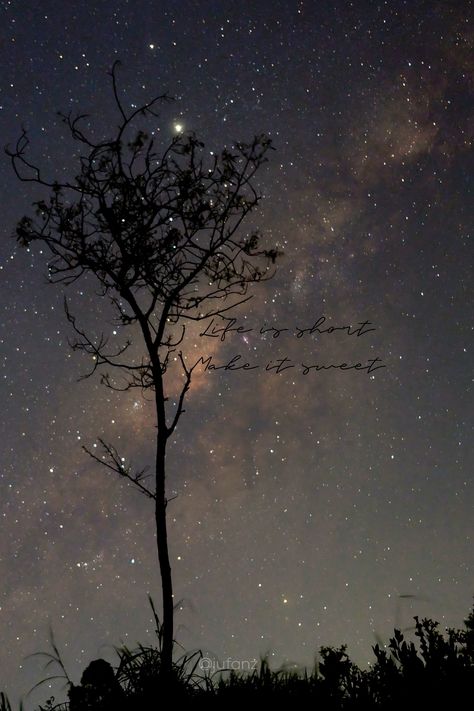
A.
pixel 99 689
pixel 432 670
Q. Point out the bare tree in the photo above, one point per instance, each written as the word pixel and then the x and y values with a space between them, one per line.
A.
pixel 160 234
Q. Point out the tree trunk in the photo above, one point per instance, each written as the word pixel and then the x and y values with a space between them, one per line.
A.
pixel 161 529
pixel 163 557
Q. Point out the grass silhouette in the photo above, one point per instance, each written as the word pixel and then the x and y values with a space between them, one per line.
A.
pixel 435 670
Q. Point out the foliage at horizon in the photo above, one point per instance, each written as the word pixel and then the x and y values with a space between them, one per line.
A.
pixel 434 669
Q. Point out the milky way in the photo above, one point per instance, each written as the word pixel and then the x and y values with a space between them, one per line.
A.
pixel 311 508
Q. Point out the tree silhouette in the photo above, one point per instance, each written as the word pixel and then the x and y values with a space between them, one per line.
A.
pixel 160 233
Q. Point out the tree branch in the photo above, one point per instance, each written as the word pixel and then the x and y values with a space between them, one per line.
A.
pixel 112 461
pixel 179 410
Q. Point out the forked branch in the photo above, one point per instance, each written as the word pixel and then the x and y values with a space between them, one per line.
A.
pixel 111 460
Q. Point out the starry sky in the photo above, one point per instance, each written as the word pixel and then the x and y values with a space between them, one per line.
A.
pixel 311 508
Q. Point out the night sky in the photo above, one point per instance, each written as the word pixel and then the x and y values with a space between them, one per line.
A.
pixel 308 506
